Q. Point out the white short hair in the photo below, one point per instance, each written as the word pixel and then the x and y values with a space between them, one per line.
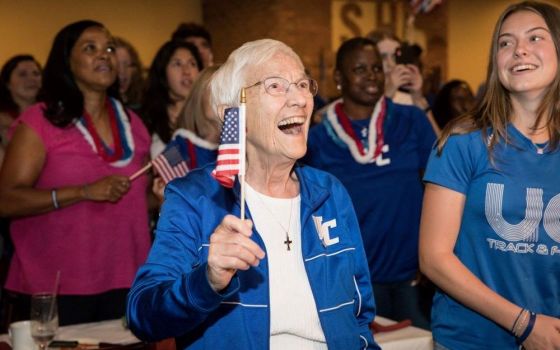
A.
pixel 227 82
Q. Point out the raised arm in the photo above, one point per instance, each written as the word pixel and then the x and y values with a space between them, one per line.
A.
pixel 418 98
pixel 176 290
pixel 410 76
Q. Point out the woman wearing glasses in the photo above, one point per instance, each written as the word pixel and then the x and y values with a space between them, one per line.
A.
pixel 378 149
pixel 294 274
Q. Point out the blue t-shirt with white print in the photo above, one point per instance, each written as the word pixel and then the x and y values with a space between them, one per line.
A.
pixel 386 193
pixel 509 235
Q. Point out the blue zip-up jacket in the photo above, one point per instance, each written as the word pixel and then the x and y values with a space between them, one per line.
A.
pixel 171 296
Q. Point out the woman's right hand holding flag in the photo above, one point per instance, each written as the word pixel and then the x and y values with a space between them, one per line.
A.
pixel 231 249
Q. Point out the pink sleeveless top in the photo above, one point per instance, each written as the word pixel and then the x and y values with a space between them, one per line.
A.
pixel 97 246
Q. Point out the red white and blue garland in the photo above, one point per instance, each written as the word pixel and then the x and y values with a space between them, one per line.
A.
pixel 342 127
pixel 195 139
pixel 123 143
pixel 192 140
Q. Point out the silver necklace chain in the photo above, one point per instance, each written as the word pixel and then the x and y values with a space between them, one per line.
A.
pixel 540 147
pixel 287 242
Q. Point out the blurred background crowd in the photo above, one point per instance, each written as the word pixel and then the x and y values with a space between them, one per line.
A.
pixel 131 88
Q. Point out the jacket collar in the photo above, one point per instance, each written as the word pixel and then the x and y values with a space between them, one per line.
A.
pixel 312 193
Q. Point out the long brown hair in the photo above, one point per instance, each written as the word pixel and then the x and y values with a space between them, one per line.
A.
pixel 494 109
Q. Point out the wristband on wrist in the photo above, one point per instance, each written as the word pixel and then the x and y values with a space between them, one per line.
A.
pixel 427 109
pixel 522 323
pixel 512 331
pixel 528 329
pixel 54 199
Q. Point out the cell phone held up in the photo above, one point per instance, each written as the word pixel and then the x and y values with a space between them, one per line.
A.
pixel 408 54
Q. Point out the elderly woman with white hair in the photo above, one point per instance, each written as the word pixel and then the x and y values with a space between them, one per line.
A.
pixel 293 275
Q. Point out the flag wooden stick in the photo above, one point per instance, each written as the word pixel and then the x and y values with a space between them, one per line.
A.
pixel 242 146
pixel 140 172
pixel 242 181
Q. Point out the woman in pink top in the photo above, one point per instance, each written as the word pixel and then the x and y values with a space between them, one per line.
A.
pixel 65 184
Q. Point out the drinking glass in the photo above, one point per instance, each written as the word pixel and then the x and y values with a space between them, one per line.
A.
pixel 44 318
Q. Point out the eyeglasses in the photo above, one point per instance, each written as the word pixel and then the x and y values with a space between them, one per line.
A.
pixel 277 86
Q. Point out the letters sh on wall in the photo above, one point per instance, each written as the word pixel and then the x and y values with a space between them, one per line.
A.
pixel 359 17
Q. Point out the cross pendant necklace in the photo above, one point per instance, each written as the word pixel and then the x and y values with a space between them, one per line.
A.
pixel 287 242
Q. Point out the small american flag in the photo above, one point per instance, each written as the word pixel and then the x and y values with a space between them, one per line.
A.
pixel 231 155
pixel 170 164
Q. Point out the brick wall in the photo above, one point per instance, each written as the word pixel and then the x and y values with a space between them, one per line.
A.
pixel 305 25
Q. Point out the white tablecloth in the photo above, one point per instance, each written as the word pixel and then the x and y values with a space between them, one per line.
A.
pixel 409 338
pixel 111 331
pixel 106 331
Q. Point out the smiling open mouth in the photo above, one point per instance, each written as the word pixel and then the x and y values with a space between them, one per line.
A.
pixel 292 125
pixel 523 67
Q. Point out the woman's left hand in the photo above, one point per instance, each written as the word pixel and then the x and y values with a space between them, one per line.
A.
pixel 109 188
pixel 545 334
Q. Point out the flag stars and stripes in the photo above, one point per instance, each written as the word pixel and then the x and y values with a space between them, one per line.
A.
pixel 228 161
pixel 170 164
pixel 230 130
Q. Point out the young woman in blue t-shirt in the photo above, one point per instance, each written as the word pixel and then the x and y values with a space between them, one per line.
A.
pixel 490 228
